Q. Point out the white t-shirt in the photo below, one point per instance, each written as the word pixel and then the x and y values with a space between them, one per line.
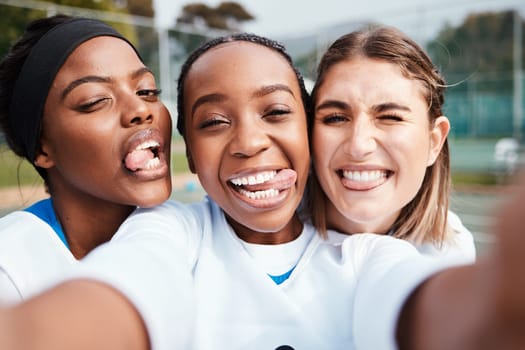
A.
pixel 197 286
pixel 460 249
pixel 32 256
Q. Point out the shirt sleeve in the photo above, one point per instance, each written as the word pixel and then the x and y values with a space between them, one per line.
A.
pixel 9 293
pixel 147 261
pixel 389 271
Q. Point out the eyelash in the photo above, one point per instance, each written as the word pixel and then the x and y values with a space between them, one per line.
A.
pixel 87 107
pixel 211 123
pixel 334 118
pixel 276 113
pixel 149 92
pixel 391 116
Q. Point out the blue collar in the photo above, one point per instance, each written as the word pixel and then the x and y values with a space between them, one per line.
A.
pixel 44 210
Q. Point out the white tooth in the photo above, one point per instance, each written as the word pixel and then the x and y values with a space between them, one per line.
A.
pixel 364 175
pixel 269 193
pixel 152 163
pixel 147 144
pixel 260 178
pixel 254 179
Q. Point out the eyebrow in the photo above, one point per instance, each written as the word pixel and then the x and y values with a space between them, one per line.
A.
pixel 100 79
pixel 376 108
pixel 210 98
pixel 388 106
pixel 216 97
pixel 333 104
pixel 268 89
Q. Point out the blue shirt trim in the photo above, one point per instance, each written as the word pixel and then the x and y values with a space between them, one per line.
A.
pixel 44 210
pixel 281 278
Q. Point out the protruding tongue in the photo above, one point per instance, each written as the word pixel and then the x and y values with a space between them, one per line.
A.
pixel 282 180
pixel 137 159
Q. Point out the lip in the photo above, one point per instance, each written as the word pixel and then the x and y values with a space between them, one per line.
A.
pixel 140 137
pixel 267 193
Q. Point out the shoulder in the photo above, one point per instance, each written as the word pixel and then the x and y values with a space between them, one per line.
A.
pixel 362 247
pixel 22 225
pixel 458 248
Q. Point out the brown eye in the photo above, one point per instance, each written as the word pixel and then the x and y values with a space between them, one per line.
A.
pixel 149 94
pixel 334 118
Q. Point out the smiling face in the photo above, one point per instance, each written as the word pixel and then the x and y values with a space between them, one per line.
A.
pixel 372 142
pixel 247 138
pixel 105 133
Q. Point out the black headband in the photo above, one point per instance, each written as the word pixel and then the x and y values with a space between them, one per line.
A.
pixel 38 72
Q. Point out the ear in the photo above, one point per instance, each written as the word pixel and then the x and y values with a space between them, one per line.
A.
pixel 43 158
pixel 438 135
pixel 190 161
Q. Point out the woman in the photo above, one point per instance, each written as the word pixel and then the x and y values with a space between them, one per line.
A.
pixel 379 145
pixel 80 105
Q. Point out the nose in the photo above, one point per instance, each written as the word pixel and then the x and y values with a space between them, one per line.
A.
pixel 248 139
pixel 136 111
pixel 361 138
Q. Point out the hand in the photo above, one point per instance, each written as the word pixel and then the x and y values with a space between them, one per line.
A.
pixel 509 271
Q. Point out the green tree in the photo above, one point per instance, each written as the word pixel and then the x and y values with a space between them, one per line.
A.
pixel 13 19
pixel 476 59
pixel 227 15
pixel 141 8
pixel 482 43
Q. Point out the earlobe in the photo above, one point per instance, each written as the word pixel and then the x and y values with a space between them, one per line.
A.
pixel 438 135
pixel 43 158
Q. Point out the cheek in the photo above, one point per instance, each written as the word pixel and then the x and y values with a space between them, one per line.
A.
pixel 323 147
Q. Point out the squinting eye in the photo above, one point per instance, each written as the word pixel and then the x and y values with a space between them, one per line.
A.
pixel 92 105
pixel 149 92
pixel 392 117
pixel 212 123
pixel 334 118
pixel 276 114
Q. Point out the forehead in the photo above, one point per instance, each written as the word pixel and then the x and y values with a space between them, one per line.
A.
pixel 240 60
pixel 103 55
pixel 372 75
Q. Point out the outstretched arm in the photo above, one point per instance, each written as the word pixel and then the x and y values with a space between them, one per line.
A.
pixel 91 316
pixel 481 306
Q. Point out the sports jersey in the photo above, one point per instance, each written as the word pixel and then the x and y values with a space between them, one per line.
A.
pixel 197 287
pixel 32 255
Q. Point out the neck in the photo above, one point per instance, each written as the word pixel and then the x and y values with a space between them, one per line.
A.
pixel 352 225
pixel 286 234
pixel 88 222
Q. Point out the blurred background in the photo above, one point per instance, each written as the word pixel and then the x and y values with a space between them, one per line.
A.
pixel 477 45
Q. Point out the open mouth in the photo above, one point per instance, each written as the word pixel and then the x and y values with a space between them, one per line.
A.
pixel 256 186
pixel 144 157
pixel 363 180
pixel 365 176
